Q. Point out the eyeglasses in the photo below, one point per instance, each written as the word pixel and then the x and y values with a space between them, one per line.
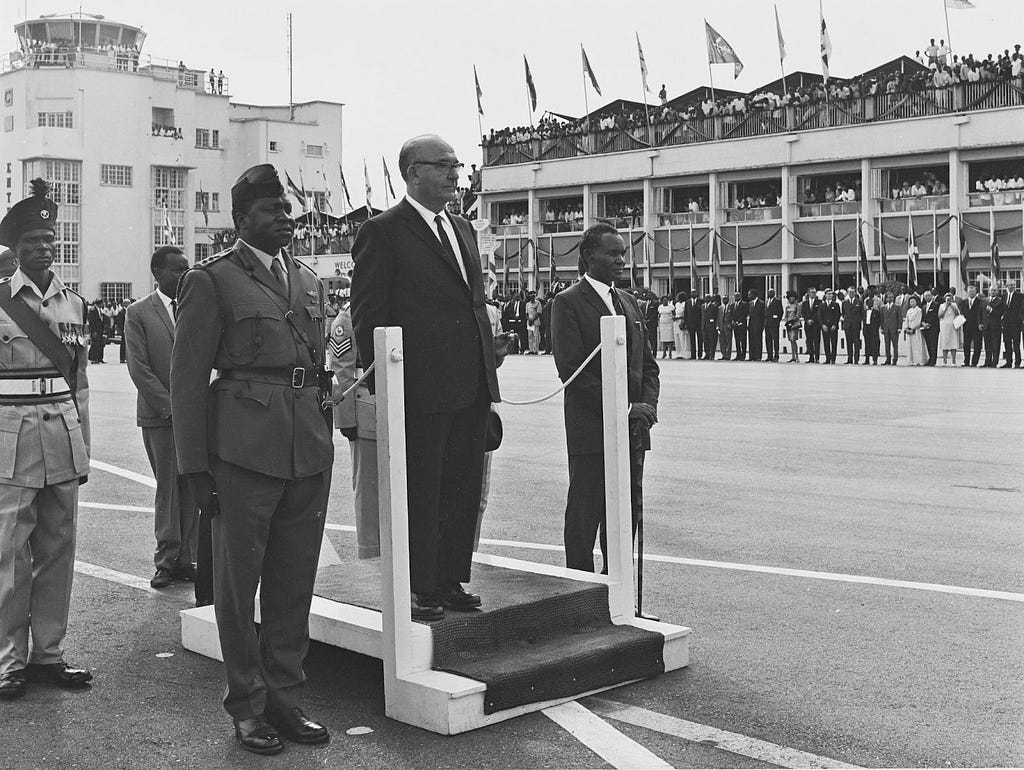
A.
pixel 445 165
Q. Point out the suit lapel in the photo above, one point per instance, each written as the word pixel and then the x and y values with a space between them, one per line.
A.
pixel 254 265
pixel 161 312
pixel 424 233
pixel 590 294
pixel 471 262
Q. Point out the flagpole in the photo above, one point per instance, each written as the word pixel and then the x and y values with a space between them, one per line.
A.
pixel 949 37
pixel 711 77
pixel 935 250
pixel 586 100
pixel 782 67
pixel 643 92
pixel 479 107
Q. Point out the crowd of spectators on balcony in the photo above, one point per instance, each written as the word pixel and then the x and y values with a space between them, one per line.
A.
pixel 926 184
pixel 841 191
pixel 169 131
pixel 993 183
pixel 766 199
pixel 939 71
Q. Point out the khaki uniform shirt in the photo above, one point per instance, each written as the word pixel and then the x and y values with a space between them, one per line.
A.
pixel 43 444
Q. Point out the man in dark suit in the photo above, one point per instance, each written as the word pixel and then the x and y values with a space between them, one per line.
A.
pixel 545 323
pixel 812 326
pixel 1013 320
pixel 119 320
pixel 930 326
pixel 576 321
pixel 417 267
pixel 724 309
pixel 892 321
pixel 692 315
pixel 853 320
pixel 973 329
pixel 97 333
pixel 992 321
pixel 739 325
pixel 648 304
pixel 256 316
pixel 755 324
pixel 709 327
pixel 773 319
pixel 872 327
pixel 829 313
pixel 149 338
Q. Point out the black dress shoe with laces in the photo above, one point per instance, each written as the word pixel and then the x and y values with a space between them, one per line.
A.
pixel 161 578
pixel 13 684
pixel 455 597
pixel 426 607
pixel 60 674
pixel 257 736
pixel 297 727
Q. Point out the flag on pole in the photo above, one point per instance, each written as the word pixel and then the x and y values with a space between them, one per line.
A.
pixel 778 33
pixel 643 63
pixel 883 256
pixel 720 52
pixel 344 188
pixel 694 279
pixel 964 256
pixel 671 271
pixel 589 71
pixel 994 254
pixel 826 46
pixel 912 253
pixel 835 258
pixel 633 282
pixel 369 189
pixel 479 92
pixel 716 263
pixel 305 196
pixel 387 178
pixel 552 269
pixel 327 190
pixel 204 202
pixel 865 267
pixel 530 86
pixel 295 190
pixel 168 231
pixel 960 5
pixel 739 265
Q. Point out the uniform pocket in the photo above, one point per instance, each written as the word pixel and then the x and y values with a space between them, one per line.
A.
pixel 256 330
pixel 10 332
pixel 73 423
pixel 10 427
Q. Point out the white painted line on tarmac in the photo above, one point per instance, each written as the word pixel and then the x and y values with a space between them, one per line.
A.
pixel 615 748
pixel 121 578
pixel 694 732
pixel 149 481
pixel 112 507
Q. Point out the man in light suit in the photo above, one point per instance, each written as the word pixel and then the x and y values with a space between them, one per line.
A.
pixel 417 267
pixel 149 338
pixel 892 321
pixel 576 331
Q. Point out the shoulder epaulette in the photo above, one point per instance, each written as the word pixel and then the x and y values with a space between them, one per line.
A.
pixel 5 280
pixel 300 263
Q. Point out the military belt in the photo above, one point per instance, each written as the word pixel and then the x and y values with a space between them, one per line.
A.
pixel 297 377
pixel 34 386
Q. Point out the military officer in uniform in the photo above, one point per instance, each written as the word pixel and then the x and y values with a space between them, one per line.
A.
pixel 257 441
pixel 44 451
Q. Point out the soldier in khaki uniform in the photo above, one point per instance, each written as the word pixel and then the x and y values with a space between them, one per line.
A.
pixel 44 451
pixel 257 440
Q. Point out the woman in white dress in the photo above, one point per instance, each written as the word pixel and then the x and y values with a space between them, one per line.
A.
pixel 682 337
pixel 916 353
pixel 949 333
pixel 666 337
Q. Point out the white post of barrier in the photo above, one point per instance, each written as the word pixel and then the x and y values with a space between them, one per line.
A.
pixel 615 405
pixel 396 597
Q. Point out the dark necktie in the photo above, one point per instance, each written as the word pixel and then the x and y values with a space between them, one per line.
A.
pixel 174 311
pixel 278 271
pixel 616 303
pixel 447 245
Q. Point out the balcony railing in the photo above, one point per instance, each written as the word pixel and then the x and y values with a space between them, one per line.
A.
pixel 517 229
pixel 683 218
pixel 116 61
pixel 834 209
pixel 962 97
pixel 995 199
pixel 549 228
pixel 760 214
pixel 922 203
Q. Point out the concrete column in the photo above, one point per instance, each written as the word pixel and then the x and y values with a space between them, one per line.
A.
pixel 787 199
pixel 957 198
pixel 868 206
pixel 648 228
pixel 716 216
pixel 534 226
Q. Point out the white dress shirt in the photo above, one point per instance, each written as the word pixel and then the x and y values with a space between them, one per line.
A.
pixel 167 304
pixel 449 228
pixel 604 291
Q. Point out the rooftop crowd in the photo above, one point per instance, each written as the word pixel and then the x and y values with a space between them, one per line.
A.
pixel 936 72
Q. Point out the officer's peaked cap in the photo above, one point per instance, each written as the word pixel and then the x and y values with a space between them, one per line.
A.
pixel 257 182
pixel 36 212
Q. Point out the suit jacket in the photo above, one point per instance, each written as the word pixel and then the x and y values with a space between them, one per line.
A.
pixel 853 314
pixel 891 317
pixel 232 317
pixel 709 317
pixel 1013 317
pixel 740 312
pixel 149 338
pixel 774 311
pixel 973 314
pixel 402 277
pixel 575 331
pixel 930 316
pixel 992 313
pixel 96 323
pixel 692 314
pixel 725 318
pixel 875 325
pixel 756 313
pixel 829 315
pixel 809 312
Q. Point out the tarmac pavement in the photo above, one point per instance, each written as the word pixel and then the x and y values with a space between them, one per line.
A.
pixel 835 536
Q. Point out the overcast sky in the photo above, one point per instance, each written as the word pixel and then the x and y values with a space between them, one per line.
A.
pixel 403 68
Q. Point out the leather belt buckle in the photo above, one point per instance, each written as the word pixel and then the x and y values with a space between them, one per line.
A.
pixel 39 386
pixel 298 377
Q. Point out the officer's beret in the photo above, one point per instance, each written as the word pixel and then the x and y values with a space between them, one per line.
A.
pixel 258 182
pixel 36 212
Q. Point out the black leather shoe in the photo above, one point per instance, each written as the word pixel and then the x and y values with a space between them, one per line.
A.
pixel 426 607
pixel 257 736
pixel 60 674
pixel 161 578
pixel 186 572
pixel 13 684
pixel 297 727
pixel 455 597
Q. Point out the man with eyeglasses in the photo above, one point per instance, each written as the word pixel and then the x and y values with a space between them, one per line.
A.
pixel 417 267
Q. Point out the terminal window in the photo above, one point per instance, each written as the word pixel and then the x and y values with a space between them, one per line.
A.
pixel 208 138
pixel 202 252
pixel 314 150
pixel 208 201
pixel 56 120
pixel 274 147
pixel 116 176
pixel 115 291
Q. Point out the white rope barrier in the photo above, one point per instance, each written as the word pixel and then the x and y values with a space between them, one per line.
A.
pixel 560 388
pixel 335 401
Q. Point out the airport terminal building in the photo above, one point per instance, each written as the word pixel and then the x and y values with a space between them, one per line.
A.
pixel 703 185
pixel 140 151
